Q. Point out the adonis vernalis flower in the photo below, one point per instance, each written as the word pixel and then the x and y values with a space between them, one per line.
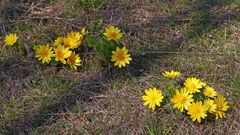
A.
pixel 152 98
pixel 209 92
pixel 11 39
pixel 43 53
pixel 121 57
pixel 222 106
pixel 210 105
pixel 74 61
pixel 113 33
pixel 171 74
pixel 193 85
pixel 76 36
pixel 70 42
pixel 197 111
pixel 182 100
pixel 61 53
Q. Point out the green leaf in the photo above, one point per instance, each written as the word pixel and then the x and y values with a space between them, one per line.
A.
pixel 21 49
pixel 90 41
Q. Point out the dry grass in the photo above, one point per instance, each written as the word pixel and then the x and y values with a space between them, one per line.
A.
pixel 98 99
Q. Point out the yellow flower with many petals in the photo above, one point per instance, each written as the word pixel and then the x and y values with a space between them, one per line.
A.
pixel 76 36
pixel 11 39
pixel 121 57
pixel 209 92
pixel 61 53
pixel 193 85
pixel 70 42
pixel 152 98
pixel 58 41
pixel 113 33
pixel 43 53
pixel 197 111
pixel 210 105
pixel 182 100
pixel 74 61
pixel 171 74
pixel 222 106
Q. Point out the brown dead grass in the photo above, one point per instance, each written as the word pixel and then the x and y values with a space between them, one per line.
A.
pixel 111 100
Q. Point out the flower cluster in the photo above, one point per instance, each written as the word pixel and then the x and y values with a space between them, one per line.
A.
pixel 192 96
pixel 109 46
pixel 62 50
pixel 120 57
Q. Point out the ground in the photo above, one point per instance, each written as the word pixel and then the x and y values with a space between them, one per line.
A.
pixel 198 38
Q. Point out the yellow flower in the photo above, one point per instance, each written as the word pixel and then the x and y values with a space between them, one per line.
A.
pixel 44 53
pixel 210 105
pixel 73 40
pixel 121 57
pixel 75 35
pixel 197 111
pixel 58 41
pixel 61 53
pixel 152 98
pixel 74 61
pixel 70 42
pixel 113 33
pixel 193 85
pixel 171 74
pixel 209 92
pixel 182 99
pixel 222 106
pixel 11 39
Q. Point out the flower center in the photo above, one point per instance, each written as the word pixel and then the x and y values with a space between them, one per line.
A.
pixel 113 34
pixel 198 111
pixel 219 107
pixel 154 98
pixel 120 56
pixel 71 60
pixel 192 86
pixel 44 53
pixel 10 40
pixel 183 100
pixel 60 54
